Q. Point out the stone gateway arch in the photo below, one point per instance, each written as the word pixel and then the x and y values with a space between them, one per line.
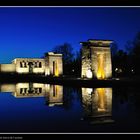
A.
pixel 96 59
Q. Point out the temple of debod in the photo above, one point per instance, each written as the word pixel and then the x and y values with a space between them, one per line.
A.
pixel 96 59
pixel 96 62
pixel 51 65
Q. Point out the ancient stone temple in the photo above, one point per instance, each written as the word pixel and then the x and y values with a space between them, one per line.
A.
pixel 96 59
pixel 51 65
pixel 54 64
pixel 29 65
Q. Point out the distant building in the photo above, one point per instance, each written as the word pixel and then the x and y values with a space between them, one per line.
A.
pixel 51 65
pixel 96 59
pixel 29 65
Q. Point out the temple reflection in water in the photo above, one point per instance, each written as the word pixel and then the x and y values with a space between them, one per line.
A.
pixel 97 104
pixel 53 93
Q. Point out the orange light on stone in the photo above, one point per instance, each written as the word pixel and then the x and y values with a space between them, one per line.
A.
pixel 100 71
pixel 56 69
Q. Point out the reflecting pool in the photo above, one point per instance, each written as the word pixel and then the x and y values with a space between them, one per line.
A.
pixel 45 108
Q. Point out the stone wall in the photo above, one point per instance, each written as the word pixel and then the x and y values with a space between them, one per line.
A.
pixel 105 51
pixel 29 65
pixel 94 54
pixel 7 68
pixel 50 60
pixel 86 61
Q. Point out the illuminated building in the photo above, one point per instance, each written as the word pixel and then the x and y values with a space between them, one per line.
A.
pixel 51 65
pixel 96 59
pixel 54 64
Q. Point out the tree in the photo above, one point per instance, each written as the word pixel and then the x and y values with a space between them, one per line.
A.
pixel 136 42
pixel 120 63
pixel 67 51
pixel 68 57
pixel 129 47
pixel 136 53
pixel 77 63
pixel 114 48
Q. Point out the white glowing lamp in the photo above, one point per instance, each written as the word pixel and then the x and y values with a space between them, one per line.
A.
pixel 89 74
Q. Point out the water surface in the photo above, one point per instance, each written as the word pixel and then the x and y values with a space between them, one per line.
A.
pixel 38 107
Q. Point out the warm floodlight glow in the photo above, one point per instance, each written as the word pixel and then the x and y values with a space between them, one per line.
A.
pixel 89 74
pixel 101 99
pixel 56 69
pixel 100 72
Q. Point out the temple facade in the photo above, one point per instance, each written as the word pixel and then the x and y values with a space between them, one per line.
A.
pixel 96 59
pixel 51 65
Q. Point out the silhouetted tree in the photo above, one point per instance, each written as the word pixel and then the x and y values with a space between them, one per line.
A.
pixel 123 61
pixel 77 63
pixel 120 63
pixel 136 53
pixel 129 47
pixel 133 51
pixel 67 50
pixel 114 48
pixel 68 56
pixel 136 43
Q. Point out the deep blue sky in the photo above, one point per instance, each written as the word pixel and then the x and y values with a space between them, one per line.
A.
pixel 29 32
